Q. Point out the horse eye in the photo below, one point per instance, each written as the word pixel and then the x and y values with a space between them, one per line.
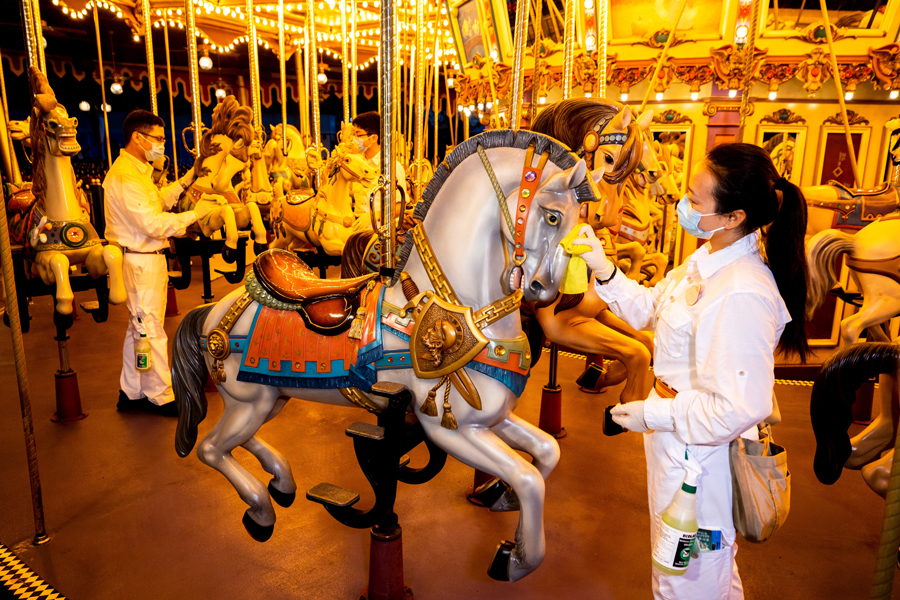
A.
pixel 553 219
pixel 609 159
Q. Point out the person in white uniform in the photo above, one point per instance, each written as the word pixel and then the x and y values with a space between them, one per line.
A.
pixel 718 319
pixel 367 135
pixel 136 220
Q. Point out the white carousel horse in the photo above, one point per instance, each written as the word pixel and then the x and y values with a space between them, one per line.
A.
pixel 223 152
pixel 466 245
pixel 325 219
pixel 55 228
pixel 297 169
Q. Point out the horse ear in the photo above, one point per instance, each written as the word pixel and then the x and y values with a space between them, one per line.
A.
pixel 566 180
pixel 621 120
pixel 597 175
pixel 645 119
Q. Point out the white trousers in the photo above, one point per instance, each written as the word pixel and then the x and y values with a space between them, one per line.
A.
pixel 712 575
pixel 146 279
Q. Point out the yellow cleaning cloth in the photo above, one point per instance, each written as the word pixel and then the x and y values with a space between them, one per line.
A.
pixel 575 279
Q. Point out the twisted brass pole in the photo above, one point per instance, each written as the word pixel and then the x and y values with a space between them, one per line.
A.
pixel 386 90
pixel 345 57
pixel 748 78
pixel 102 85
pixel 253 55
pixel 148 48
pixel 171 95
pixel 538 33
pixel 569 49
pixel 602 45
pixel 30 42
pixel 313 75
pixel 283 78
pixel 39 37
pixel 354 86
pixel 194 73
pixel 522 10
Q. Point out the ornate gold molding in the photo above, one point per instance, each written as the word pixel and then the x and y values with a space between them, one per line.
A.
pixel 815 33
pixel 814 70
pixel 886 66
pixel 852 118
pixel 732 65
pixel 658 39
pixel 783 116
pixel 712 107
pixel 671 117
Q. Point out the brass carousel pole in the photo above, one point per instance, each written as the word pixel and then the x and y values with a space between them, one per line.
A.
pixel 10 164
pixel 194 73
pixel 39 37
pixel 15 328
pixel 522 10
pixel 345 57
pixel 313 75
pixel 569 49
pixel 253 54
pixel 386 90
pixel 283 78
pixel 835 75
pixel 662 56
pixel 750 48
pixel 437 92
pixel 302 94
pixel 602 44
pixel 151 67
pixel 354 86
pixel 171 94
pixel 421 75
pixel 538 33
pixel 102 84
pixel 30 39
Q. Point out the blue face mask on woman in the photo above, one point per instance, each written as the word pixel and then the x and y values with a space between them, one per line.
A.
pixel 689 219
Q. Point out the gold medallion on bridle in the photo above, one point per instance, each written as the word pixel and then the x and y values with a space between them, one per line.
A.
pixel 444 337
pixel 217 344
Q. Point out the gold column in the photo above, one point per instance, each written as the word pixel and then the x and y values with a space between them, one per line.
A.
pixel 386 89
pixel 303 96
pixel 437 92
pixel 313 75
pixel 283 77
pixel 31 44
pixel 253 54
pixel 518 70
pixel 148 47
pixel 102 85
pixel 354 86
pixel 750 48
pixel 39 37
pixel 193 70
pixel 171 87
pixel 345 57
pixel 602 45
pixel 538 33
pixel 421 74
pixel 568 50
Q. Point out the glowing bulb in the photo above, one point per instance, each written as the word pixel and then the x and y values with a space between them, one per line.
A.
pixel 84 106
pixel 894 94
pixel 107 107
pixel 542 100
pixel 471 108
pixel 695 96
pixel 322 78
pixel 206 63
pixel 848 96
pixel 773 95
pixel 732 93
pixel 467 112
pixel 489 105
pixel 45 42
pixel 587 94
pixel 451 82
pixel 659 96
pixel 221 93
pixel 137 38
pixel 116 88
pixel 741 32
pixel 624 97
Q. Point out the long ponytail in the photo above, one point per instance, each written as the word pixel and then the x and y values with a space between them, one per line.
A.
pixel 746 179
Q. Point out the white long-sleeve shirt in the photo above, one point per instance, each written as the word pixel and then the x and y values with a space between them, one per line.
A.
pixel 135 207
pixel 717 353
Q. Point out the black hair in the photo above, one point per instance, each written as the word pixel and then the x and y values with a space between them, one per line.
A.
pixel 370 122
pixel 747 180
pixel 141 121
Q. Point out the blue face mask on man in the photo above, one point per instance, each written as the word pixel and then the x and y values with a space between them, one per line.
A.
pixel 689 219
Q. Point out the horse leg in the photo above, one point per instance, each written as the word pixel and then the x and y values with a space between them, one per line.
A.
pixel 519 434
pixel 55 268
pixel 108 259
pixel 256 224
pixel 877 474
pixel 274 463
pixel 482 449
pixel 615 323
pixel 868 443
pixel 239 423
pixel 873 312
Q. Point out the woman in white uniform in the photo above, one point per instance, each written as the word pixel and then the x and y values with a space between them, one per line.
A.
pixel 718 319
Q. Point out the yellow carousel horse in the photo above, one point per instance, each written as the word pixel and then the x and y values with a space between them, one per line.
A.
pixel 293 171
pixel 49 219
pixel 223 152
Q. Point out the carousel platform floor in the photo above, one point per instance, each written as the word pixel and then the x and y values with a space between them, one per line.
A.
pixel 130 519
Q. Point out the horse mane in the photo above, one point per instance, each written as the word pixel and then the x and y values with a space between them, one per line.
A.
pixel 229 119
pixel 569 120
pixel 43 102
pixel 560 155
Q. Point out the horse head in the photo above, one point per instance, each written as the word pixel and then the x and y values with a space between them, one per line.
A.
pixel 19 131
pixel 354 167
pixel 61 132
pixel 225 147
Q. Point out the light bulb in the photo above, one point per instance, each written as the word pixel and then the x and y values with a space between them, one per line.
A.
pixel 221 93
pixel 471 108
pixel 489 105
pixel 741 32
pixel 894 94
pixel 467 112
pixel 45 42
pixel 481 106
pixel 542 100
pixel 659 96
pixel 695 96
pixel 773 95
pixel 624 97
pixel 206 63
pixel 848 96
pixel 451 82
pixel 116 88
pixel 587 94
pixel 107 108
pixel 84 106
pixel 732 93
pixel 322 78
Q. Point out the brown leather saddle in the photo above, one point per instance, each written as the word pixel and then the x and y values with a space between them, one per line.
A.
pixel 870 203
pixel 327 306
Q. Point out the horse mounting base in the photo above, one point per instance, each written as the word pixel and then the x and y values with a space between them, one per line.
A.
pixel 386 564
pixel 68 398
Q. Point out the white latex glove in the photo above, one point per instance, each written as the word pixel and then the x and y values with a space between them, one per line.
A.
pixel 630 416
pixel 596 257
pixel 188 180
pixel 202 209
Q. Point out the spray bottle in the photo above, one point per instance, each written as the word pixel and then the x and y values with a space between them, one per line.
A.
pixel 142 351
pixel 678 525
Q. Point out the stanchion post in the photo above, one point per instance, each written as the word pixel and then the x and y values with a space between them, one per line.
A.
pixel 551 400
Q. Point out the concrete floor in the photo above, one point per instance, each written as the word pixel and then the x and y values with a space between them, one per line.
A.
pixel 129 519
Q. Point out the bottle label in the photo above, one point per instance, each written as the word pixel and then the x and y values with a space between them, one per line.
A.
pixel 673 547
pixel 143 361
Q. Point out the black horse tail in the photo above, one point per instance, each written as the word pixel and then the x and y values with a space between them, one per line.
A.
pixel 833 395
pixel 354 253
pixel 189 374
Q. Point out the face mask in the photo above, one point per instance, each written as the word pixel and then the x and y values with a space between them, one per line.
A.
pixel 155 152
pixel 689 219
pixel 361 143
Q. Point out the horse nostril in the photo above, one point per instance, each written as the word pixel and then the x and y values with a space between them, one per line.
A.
pixel 537 287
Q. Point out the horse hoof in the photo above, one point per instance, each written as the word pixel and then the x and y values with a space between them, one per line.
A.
pixel 490 491
pixel 229 254
pixel 260 533
pixel 259 248
pixel 500 565
pixel 281 498
pixel 508 502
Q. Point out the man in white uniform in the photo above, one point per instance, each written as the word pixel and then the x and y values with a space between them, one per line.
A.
pixel 136 220
pixel 367 134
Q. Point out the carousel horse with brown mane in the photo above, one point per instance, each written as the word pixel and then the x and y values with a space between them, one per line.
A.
pixel 452 329
pixel 325 219
pixel 294 170
pixel 49 220
pixel 224 151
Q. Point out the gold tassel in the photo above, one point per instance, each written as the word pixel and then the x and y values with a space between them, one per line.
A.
pixel 356 327
pixel 448 421
pixel 218 372
pixel 430 406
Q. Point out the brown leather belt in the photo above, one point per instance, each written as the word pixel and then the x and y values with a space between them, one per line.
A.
pixel 663 390
pixel 130 251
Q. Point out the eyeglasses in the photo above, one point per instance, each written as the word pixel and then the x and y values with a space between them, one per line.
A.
pixel 158 138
